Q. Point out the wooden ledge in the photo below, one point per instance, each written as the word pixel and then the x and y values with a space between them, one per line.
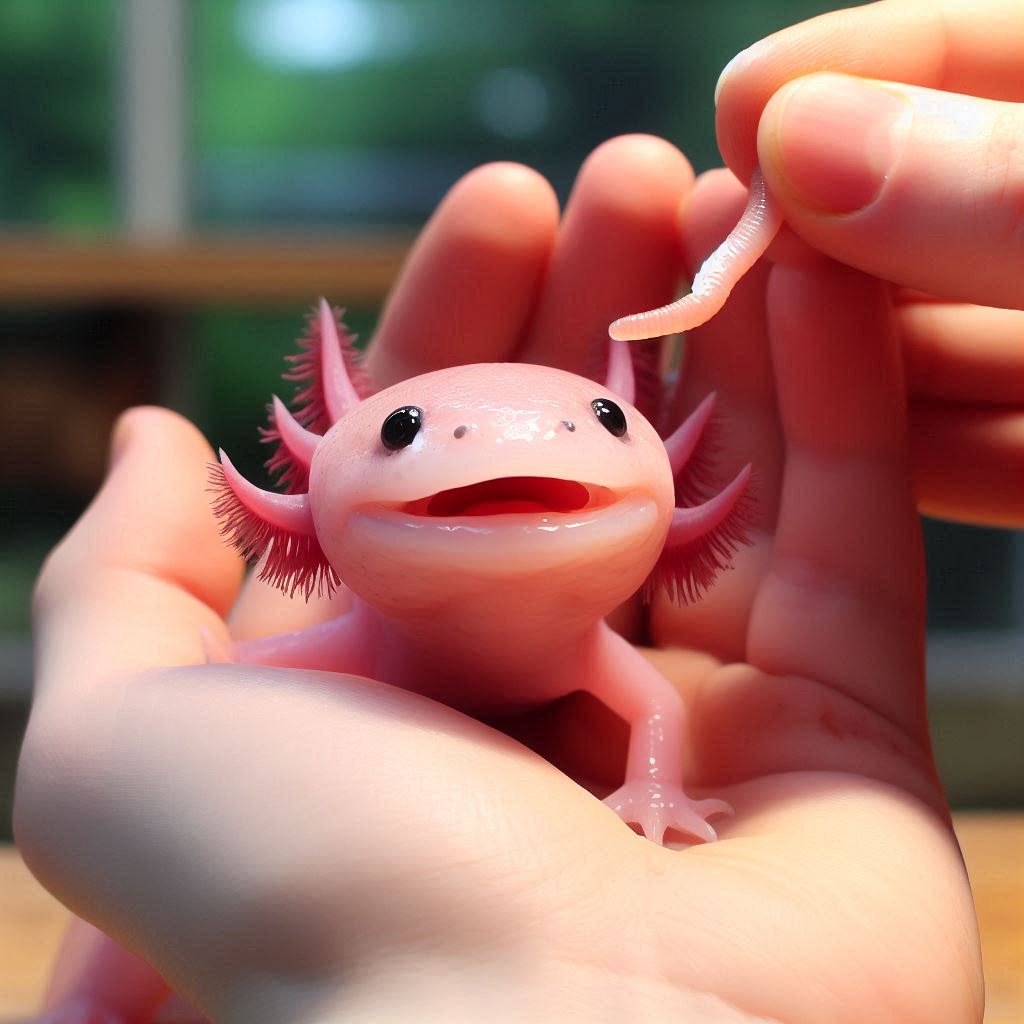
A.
pixel 353 270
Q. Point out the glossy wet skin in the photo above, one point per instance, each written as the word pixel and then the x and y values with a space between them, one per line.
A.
pixel 512 475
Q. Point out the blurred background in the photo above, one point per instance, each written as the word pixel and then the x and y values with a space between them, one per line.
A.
pixel 179 180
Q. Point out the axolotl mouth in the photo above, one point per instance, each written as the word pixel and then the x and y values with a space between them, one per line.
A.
pixel 514 526
pixel 512 495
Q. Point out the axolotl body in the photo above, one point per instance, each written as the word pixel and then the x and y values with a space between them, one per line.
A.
pixel 486 518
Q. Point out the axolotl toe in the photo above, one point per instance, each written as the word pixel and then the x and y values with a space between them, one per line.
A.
pixel 486 518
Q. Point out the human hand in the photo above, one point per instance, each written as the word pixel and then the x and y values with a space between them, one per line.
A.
pixel 910 171
pixel 304 847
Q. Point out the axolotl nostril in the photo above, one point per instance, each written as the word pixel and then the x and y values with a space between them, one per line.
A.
pixel 486 518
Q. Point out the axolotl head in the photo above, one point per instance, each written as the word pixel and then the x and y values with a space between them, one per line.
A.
pixel 467 479
pixel 492 474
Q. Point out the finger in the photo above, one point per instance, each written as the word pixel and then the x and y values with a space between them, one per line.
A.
pixel 958 352
pixel 472 278
pixel 729 355
pixel 617 250
pixel 144 571
pixel 969 463
pixel 843 601
pixel 970 48
pixel 911 171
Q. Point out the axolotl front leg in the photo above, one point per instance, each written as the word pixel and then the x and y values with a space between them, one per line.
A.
pixel 652 795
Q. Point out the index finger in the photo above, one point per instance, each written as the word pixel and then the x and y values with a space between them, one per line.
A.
pixel 939 44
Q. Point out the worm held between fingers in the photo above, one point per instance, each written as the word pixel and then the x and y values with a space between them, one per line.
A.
pixel 717 277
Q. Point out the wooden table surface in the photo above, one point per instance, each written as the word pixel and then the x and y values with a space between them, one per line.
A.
pixel 32 922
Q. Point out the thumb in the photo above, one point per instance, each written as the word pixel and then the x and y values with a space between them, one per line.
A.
pixel 922 188
pixel 143 570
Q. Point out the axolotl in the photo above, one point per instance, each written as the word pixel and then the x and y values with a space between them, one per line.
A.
pixel 486 518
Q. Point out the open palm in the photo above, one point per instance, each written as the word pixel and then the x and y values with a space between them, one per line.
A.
pixel 299 846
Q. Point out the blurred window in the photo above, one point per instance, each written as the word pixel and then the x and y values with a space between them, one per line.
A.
pixel 326 112
pixel 57 113
pixel 335 115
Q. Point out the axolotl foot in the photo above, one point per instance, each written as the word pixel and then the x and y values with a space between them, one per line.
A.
pixel 657 807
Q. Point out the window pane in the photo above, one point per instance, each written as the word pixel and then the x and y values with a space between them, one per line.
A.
pixel 971 577
pixel 57 113
pixel 366 111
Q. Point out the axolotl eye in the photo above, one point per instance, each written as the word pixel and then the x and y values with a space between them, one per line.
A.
pixel 401 426
pixel 609 415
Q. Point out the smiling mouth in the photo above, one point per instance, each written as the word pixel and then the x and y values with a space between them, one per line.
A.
pixel 511 495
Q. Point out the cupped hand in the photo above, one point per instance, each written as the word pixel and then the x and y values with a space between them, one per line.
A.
pixel 891 136
pixel 299 846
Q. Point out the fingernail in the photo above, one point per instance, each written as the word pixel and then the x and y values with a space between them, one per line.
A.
pixel 838 139
pixel 740 61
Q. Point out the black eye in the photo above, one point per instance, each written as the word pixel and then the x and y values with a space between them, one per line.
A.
pixel 401 427
pixel 609 415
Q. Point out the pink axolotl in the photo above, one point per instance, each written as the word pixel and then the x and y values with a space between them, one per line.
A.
pixel 486 518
